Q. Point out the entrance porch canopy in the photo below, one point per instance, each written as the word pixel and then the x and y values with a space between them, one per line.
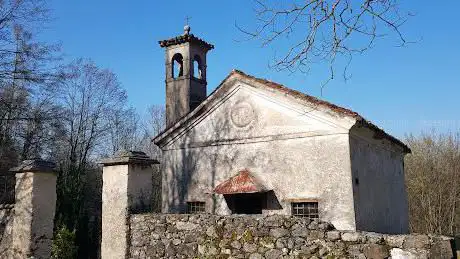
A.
pixel 243 182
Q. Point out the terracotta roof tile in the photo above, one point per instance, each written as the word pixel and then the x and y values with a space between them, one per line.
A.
pixel 298 95
pixel 243 182
pixel 183 39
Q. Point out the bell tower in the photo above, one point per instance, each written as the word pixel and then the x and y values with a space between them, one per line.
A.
pixel 185 74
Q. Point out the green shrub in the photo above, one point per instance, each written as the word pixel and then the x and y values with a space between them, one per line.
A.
pixel 64 244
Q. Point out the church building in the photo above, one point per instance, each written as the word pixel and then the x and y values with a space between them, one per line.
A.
pixel 253 146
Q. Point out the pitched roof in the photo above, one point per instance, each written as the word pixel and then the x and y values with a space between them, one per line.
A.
pixel 183 39
pixel 34 165
pixel 242 182
pixel 361 121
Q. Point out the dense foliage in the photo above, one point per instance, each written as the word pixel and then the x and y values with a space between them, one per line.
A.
pixel 64 246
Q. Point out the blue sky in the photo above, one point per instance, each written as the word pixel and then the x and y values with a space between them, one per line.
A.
pixel 403 90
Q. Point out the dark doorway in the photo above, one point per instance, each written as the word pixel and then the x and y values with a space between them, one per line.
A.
pixel 246 203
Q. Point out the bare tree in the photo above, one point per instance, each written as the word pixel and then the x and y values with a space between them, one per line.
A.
pixel 20 20
pixel 324 30
pixel 125 132
pixel 36 134
pixel 152 126
pixel 26 100
pixel 27 77
pixel 89 98
pixel 433 183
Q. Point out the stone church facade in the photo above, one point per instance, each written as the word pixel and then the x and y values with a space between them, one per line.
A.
pixel 256 147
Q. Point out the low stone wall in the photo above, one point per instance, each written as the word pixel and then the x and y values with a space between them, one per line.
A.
pixel 6 229
pixel 211 236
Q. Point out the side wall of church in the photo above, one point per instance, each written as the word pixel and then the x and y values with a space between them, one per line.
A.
pixel 312 168
pixel 378 184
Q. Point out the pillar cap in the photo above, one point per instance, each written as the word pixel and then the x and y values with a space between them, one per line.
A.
pixel 127 157
pixel 34 165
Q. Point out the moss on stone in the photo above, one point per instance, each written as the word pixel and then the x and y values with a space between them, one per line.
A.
pixel 234 236
pixel 233 240
pixel 267 241
pixel 247 236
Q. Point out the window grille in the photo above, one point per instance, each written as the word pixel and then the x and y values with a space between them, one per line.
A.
pixel 195 207
pixel 305 209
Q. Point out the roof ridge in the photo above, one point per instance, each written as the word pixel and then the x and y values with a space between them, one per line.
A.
pixel 298 95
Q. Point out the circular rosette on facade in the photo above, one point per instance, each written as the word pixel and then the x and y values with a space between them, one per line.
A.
pixel 242 114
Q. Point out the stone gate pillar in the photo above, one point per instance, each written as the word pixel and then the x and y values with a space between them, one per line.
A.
pixel 34 208
pixel 127 188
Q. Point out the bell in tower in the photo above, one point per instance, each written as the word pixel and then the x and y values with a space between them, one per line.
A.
pixel 185 74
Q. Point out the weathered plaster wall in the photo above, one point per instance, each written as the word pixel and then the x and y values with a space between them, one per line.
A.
pixel 35 201
pixel 209 236
pixel 177 99
pixel 114 211
pixel 378 184
pixel 140 187
pixel 184 92
pixel 26 227
pixel 22 221
pixel 156 189
pixel 246 114
pixel 297 151
pixel 44 207
pixel 304 169
pixel 127 188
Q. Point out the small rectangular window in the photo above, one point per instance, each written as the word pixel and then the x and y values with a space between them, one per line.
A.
pixel 195 207
pixel 305 209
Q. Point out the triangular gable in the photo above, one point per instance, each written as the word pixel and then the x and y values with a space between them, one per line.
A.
pixel 207 105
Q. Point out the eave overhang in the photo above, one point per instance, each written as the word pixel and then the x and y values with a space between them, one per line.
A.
pixel 237 75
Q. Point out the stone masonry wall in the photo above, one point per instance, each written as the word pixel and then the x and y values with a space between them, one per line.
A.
pixel 211 236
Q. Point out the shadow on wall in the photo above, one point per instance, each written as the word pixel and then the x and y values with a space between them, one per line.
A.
pixel 7 204
pixel 252 203
pixel 7 185
pixel 207 159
